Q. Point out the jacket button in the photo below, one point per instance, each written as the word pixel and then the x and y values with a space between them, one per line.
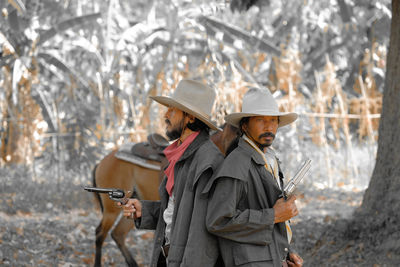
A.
pixel 286 249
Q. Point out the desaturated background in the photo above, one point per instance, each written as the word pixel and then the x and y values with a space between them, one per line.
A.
pixel 76 75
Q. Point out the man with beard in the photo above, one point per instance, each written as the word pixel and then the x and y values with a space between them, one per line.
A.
pixel 181 237
pixel 246 210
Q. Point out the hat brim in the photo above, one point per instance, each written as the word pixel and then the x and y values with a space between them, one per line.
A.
pixel 284 118
pixel 186 107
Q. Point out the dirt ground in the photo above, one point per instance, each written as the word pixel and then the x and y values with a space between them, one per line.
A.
pixel 42 232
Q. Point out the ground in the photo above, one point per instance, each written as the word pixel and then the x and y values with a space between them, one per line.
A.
pixel 60 231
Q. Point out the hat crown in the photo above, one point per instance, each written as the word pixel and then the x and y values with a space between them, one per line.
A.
pixel 200 96
pixel 192 97
pixel 260 102
pixel 256 100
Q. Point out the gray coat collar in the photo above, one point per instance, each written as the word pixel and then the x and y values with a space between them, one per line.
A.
pixel 259 160
pixel 256 157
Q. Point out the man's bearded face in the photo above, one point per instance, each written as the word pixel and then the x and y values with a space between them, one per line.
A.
pixel 174 120
pixel 175 130
pixel 262 130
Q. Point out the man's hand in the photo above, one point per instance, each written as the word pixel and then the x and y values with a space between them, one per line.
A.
pixel 285 209
pixel 132 207
pixel 294 260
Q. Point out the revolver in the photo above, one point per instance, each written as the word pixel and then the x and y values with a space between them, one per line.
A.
pixel 115 194
pixel 291 185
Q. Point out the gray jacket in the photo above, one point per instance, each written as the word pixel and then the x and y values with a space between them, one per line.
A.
pixel 191 244
pixel 240 211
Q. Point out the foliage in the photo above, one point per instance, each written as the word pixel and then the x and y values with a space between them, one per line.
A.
pixel 77 74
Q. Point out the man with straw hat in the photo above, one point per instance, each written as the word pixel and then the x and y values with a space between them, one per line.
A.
pixel 245 210
pixel 181 237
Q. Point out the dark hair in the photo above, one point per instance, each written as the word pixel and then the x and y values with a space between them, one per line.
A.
pixel 243 121
pixel 198 125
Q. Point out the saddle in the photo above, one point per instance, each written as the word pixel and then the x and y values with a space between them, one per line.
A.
pixel 145 153
pixel 152 149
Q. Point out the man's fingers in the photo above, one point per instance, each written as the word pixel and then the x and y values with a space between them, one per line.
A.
pixel 132 209
pixel 136 202
pixel 129 205
pixel 292 198
pixel 292 264
pixel 295 260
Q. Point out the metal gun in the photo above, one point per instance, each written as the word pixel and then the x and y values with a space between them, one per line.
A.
pixel 291 185
pixel 115 194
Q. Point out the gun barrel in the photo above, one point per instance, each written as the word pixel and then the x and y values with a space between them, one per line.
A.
pixel 300 174
pixel 290 188
pixel 113 193
pixel 291 185
pixel 99 190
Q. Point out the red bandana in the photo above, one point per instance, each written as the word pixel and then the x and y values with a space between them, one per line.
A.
pixel 173 153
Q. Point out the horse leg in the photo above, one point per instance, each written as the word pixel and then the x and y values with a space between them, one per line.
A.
pixel 119 234
pixel 101 233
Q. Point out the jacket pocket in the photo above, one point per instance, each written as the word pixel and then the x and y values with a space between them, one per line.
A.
pixel 245 253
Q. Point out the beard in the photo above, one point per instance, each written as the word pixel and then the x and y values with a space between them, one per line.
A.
pixel 262 146
pixel 266 134
pixel 175 132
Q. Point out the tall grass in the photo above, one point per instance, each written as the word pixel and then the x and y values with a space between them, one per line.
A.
pixel 70 101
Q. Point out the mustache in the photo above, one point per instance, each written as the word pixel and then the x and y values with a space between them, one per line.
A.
pixel 267 134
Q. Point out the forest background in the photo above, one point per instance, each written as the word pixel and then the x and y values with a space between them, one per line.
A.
pixel 76 75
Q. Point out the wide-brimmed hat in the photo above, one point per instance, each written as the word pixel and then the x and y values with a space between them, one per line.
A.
pixel 192 97
pixel 260 102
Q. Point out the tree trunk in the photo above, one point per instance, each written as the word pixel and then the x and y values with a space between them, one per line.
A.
pixel 382 198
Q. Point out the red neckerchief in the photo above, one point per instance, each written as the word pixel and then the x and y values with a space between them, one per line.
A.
pixel 173 153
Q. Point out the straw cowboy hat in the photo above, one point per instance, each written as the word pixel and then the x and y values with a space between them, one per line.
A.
pixel 192 97
pixel 260 102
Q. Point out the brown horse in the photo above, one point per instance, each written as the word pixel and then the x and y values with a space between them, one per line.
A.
pixel 112 172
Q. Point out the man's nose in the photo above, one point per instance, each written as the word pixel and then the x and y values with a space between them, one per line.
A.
pixel 268 127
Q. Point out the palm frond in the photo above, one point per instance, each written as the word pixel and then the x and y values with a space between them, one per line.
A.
pixel 65 25
pixel 237 33
pixel 48 114
pixel 50 59
pixel 89 47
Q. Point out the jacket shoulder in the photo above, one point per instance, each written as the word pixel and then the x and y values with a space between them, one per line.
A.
pixel 207 157
pixel 208 154
pixel 236 164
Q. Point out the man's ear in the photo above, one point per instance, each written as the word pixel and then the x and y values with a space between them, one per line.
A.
pixel 244 127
